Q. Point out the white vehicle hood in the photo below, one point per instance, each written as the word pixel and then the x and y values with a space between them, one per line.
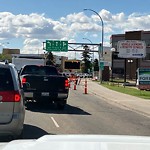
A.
pixel 80 142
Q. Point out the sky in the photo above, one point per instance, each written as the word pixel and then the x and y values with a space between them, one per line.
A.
pixel 27 24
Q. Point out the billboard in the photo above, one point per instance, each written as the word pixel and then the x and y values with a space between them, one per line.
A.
pixel 131 49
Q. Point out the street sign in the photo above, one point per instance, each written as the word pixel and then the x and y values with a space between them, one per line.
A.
pixel 101 65
pixel 131 49
pixel 56 46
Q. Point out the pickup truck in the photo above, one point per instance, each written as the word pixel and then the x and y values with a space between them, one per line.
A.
pixel 44 84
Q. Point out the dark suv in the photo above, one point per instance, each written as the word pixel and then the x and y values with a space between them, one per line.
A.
pixel 12 109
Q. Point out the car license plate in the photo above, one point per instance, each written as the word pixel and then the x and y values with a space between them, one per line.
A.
pixel 45 93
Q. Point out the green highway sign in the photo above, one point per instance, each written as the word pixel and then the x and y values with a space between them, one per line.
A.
pixel 56 46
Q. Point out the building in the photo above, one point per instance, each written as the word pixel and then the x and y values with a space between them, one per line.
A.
pixel 60 62
pixel 7 53
pixel 118 64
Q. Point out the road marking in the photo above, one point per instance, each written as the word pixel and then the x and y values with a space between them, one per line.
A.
pixel 56 124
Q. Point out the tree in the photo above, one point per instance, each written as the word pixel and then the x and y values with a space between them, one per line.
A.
pixel 86 63
pixel 5 57
pixel 50 59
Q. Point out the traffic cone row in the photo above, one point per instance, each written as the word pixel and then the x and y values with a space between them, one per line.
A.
pixel 75 86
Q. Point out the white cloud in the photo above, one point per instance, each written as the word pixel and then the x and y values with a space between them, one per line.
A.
pixel 95 35
pixel 119 17
pixel 75 17
pixel 104 14
pixel 136 22
pixel 36 28
pixel 32 46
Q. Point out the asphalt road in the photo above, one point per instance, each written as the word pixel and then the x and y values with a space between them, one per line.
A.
pixel 84 114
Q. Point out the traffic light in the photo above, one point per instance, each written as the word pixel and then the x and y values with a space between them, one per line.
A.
pixel 74 64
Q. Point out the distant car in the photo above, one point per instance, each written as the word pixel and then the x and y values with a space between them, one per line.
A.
pixel 12 109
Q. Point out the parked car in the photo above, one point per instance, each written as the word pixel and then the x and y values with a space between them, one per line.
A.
pixel 12 109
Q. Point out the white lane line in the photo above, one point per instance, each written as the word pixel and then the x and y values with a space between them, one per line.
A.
pixel 56 124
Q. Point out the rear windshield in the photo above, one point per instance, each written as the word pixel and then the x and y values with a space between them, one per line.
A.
pixel 6 82
pixel 39 70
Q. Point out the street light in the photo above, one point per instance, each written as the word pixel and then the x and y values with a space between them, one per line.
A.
pixel 100 54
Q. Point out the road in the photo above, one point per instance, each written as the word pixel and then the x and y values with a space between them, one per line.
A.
pixel 84 114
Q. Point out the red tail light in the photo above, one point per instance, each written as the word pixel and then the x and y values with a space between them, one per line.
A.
pixel 24 80
pixel 10 96
pixel 66 83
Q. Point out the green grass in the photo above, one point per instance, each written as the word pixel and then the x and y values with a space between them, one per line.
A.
pixel 128 90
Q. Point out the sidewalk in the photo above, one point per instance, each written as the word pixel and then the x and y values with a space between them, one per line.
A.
pixel 133 103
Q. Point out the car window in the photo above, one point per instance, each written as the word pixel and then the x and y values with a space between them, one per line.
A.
pixel 6 82
pixel 39 70
pixel 49 70
pixel 29 70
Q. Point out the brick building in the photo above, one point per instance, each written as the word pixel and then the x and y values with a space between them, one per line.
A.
pixel 118 64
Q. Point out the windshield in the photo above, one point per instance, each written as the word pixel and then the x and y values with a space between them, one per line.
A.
pixel 90 62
